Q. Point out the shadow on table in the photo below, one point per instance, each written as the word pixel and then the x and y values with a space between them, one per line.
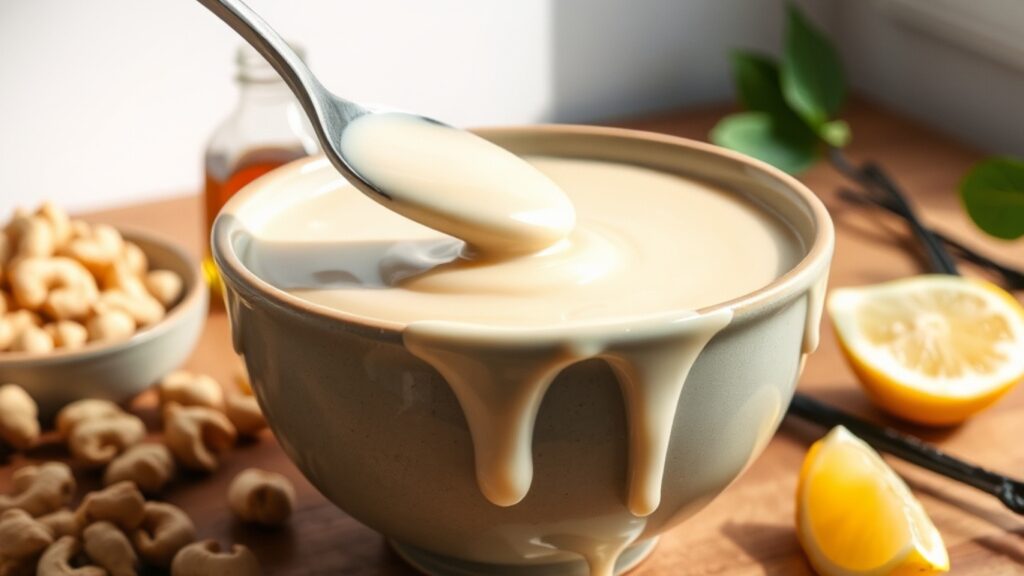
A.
pixel 773 547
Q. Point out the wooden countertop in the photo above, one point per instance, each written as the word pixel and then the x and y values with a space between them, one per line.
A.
pixel 749 528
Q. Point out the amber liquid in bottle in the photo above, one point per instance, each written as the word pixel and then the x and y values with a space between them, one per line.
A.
pixel 224 179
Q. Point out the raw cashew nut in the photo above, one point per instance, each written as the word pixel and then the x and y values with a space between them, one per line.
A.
pixel 109 548
pixel 165 530
pixel 135 258
pixel 166 286
pixel 81 410
pixel 32 339
pixel 56 560
pixel 97 441
pixel 197 434
pixel 14 323
pixel 206 559
pixel 67 334
pixel 121 503
pixel 40 490
pixel 149 466
pixel 57 219
pixel 143 308
pixel 19 421
pixel 96 246
pixel 190 389
pixel 60 523
pixel 22 536
pixel 244 412
pixel 110 326
pixel 120 277
pixel 261 497
pixel 33 237
pixel 60 287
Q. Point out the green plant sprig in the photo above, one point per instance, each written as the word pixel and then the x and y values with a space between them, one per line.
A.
pixel 790 121
pixel 790 106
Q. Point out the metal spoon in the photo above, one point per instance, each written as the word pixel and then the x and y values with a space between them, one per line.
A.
pixel 329 114
pixel 442 177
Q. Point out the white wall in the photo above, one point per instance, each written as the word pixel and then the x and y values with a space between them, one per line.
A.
pixel 110 101
pixel 954 64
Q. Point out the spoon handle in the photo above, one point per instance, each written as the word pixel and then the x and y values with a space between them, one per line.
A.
pixel 326 111
pixel 267 42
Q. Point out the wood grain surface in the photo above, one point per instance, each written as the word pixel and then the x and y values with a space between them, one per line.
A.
pixel 749 528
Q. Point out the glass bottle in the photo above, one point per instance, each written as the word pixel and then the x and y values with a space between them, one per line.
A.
pixel 266 129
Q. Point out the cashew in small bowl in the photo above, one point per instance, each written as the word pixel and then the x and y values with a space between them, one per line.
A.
pixel 96 246
pixel 110 326
pixel 32 339
pixel 135 259
pixel 261 497
pixel 121 504
pixel 164 285
pixel 81 410
pixel 56 560
pixel 41 489
pixel 110 549
pixel 22 536
pixel 57 219
pixel 150 466
pixel 95 442
pixel 207 559
pixel 191 389
pixel 197 434
pixel 61 287
pixel 165 530
pixel 67 334
pixel 143 308
pixel 19 421
pixel 33 237
pixel 60 523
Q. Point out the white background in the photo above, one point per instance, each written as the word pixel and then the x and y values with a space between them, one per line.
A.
pixel 105 102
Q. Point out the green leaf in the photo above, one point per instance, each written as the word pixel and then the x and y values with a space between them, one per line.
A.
pixel 993 193
pixel 836 133
pixel 757 84
pixel 757 134
pixel 812 75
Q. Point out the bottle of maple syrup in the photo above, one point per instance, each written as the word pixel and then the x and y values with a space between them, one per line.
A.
pixel 266 129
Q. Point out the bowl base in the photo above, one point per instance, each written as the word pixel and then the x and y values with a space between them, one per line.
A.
pixel 437 565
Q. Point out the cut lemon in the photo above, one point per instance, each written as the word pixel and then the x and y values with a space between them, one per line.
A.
pixel 856 517
pixel 931 349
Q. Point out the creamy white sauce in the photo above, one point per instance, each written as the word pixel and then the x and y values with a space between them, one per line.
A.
pixel 456 182
pixel 648 251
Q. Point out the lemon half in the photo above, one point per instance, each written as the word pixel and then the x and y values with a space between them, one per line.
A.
pixel 856 517
pixel 933 349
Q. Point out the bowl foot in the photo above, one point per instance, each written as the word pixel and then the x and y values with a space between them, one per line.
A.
pixel 437 565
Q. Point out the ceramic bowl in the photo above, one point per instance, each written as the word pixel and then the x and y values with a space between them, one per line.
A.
pixel 120 370
pixel 381 434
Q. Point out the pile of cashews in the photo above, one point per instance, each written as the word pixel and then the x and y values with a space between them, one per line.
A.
pixel 116 530
pixel 65 283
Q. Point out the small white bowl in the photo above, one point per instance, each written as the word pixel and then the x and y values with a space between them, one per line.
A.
pixel 120 370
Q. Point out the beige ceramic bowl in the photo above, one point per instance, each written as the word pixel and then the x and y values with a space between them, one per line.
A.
pixel 381 434
pixel 121 370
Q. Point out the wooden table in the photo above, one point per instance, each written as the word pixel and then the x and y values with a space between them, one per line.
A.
pixel 749 528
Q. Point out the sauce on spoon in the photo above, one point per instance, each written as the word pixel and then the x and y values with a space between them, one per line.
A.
pixel 458 183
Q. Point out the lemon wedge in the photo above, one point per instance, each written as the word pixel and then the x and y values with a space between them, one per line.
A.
pixel 932 349
pixel 856 517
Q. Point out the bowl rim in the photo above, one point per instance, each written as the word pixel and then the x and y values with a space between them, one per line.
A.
pixel 801 277
pixel 192 298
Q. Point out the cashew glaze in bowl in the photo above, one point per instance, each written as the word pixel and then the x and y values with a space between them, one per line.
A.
pixel 120 370
pixel 416 429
